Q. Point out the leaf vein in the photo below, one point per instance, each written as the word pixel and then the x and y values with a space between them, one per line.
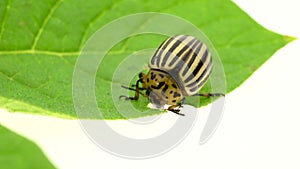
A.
pixel 45 22
pixel 26 85
pixel 42 52
pixel 94 19
pixel 247 44
pixel 7 9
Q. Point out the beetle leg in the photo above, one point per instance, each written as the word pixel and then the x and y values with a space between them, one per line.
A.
pixel 130 88
pixel 176 111
pixel 182 102
pixel 137 92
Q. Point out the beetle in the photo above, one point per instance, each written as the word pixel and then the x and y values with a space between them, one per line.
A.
pixel 179 67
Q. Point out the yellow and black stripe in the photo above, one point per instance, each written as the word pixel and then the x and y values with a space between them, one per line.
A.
pixel 186 59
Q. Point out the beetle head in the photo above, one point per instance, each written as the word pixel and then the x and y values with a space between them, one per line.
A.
pixel 156 100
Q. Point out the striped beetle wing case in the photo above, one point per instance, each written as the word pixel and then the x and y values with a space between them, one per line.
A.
pixel 186 59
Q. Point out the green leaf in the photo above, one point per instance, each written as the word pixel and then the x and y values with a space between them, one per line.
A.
pixel 41 40
pixel 17 152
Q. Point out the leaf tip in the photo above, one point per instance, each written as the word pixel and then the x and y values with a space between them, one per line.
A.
pixel 290 38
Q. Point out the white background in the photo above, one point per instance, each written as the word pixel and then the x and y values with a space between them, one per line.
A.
pixel 259 129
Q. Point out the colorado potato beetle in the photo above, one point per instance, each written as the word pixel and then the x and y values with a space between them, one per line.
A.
pixel 179 67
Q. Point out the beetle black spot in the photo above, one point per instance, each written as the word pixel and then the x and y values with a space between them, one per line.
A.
pixel 173 101
pixel 159 85
pixel 163 91
pixel 167 97
pixel 176 95
pixel 147 80
pixel 140 75
pixel 162 76
pixel 173 85
pixel 171 91
pixel 153 76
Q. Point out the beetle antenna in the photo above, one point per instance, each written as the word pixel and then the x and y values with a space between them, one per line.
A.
pixel 210 94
